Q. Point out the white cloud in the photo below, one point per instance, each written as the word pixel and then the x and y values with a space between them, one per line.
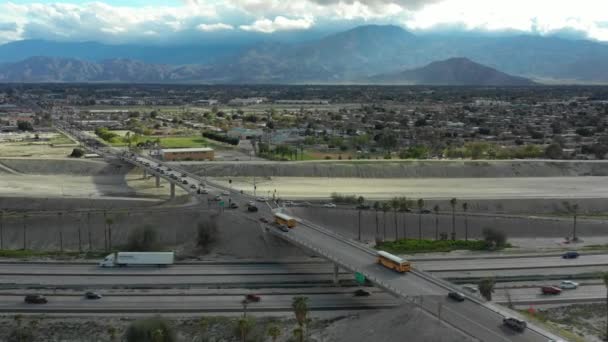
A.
pixel 101 21
pixel 538 16
pixel 279 23
pixel 214 27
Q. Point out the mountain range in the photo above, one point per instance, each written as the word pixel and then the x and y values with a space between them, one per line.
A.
pixel 373 53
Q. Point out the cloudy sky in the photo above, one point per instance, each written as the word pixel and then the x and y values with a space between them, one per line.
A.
pixel 171 21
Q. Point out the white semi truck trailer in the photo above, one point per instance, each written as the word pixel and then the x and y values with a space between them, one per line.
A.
pixel 119 259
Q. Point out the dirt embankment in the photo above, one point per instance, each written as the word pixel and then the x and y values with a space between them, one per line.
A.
pixel 402 169
pixel 239 237
pixel 76 167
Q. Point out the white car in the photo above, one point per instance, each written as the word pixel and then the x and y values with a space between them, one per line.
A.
pixel 226 193
pixel 329 205
pixel 261 199
pixel 567 284
pixel 470 288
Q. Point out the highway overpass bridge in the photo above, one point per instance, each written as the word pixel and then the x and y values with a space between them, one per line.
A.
pixel 477 319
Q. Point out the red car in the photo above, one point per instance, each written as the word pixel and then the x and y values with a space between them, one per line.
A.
pixel 551 290
pixel 252 298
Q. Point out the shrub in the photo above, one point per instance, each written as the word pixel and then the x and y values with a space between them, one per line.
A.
pixel 207 232
pixel 419 246
pixel 77 153
pixel 494 238
pixel 143 239
pixel 346 199
pixel 150 330
pixel 105 134
pixel 221 137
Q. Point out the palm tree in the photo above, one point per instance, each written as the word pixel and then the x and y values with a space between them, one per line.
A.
pixel 453 202
pixel 403 209
pixel 60 232
pixel 376 208
pixel 300 309
pixel 298 333
pixel 89 230
pixel 24 232
pixel 274 332
pixel 436 210
pixel 385 208
pixel 605 278
pixel 465 207
pixel 1 229
pixel 573 209
pixel 245 325
pixel 360 202
pixel 486 287
pixel 395 205
pixel 109 223
pixel 112 333
pixel 420 207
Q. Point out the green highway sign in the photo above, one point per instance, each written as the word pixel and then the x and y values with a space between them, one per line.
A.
pixel 359 278
pixel 221 203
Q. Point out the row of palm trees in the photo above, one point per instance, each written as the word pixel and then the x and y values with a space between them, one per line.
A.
pixel 402 204
pixel 108 221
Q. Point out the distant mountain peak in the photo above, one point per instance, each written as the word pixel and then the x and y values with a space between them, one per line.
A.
pixel 454 71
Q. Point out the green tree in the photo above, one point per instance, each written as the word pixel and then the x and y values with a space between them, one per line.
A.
pixel 420 207
pixel 465 207
pixel 25 125
pixel 453 202
pixel 77 153
pixel 486 288
pixel 273 332
pixel 436 210
pixel 494 238
pixel 299 305
pixel 143 239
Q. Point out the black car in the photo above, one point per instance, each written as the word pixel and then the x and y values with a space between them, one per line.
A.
pixel 252 208
pixel 35 299
pixel 284 229
pixel 457 296
pixel 514 323
pixel 362 293
pixel 233 205
pixel 425 211
pixel 184 181
pixel 570 255
pixel 363 207
pixel 92 295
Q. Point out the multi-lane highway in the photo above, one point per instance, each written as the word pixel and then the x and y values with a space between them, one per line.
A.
pixel 473 317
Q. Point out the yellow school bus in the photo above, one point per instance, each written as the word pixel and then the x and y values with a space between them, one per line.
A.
pixel 393 262
pixel 284 220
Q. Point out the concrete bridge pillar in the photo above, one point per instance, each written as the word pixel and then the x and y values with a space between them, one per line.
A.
pixel 157 181
pixel 172 190
pixel 336 272
pixel 145 173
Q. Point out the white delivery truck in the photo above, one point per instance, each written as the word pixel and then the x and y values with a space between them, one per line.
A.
pixel 119 259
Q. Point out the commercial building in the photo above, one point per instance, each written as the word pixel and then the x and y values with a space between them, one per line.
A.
pixel 175 154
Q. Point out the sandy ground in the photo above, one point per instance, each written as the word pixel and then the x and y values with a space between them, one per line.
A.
pixel 35 150
pixel 77 178
pixel 463 188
